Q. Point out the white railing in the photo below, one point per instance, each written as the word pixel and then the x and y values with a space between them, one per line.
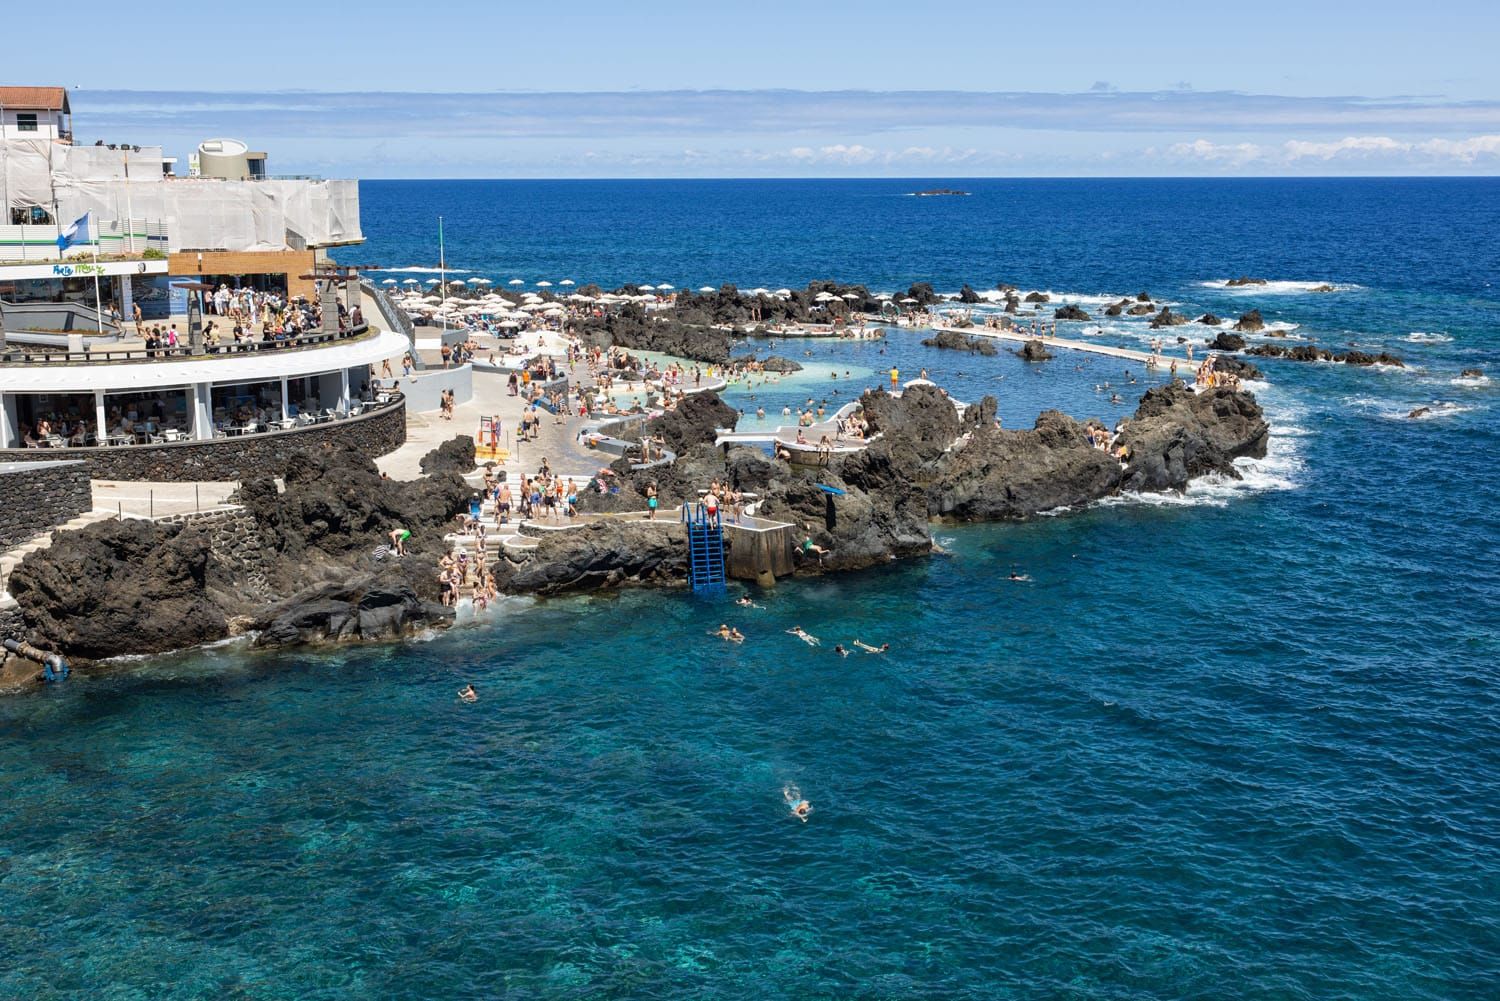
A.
pixel 113 237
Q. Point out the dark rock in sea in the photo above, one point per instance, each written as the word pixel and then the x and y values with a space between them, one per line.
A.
pixel 696 420
pixel 1250 323
pixel 776 363
pixel 1225 341
pixel 968 295
pixel 1167 318
pixel 951 340
pixel 1472 373
pixel 1143 297
pixel 631 328
pixel 1362 358
pixel 1005 287
pixel 1114 310
pixel 923 293
pixel 1034 350
pixel 1308 352
pixel 1209 320
pixel 1070 312
pixel 1323 288
pixel 1236 367
pixel 1177 434
pixel 602 554
pixel 1012 304
pixel 366 608
pixel 1038 297
pixel 1144 309
pixel 1242 281
pixel 1419 412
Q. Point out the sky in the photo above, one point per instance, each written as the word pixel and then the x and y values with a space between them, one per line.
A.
pixel 715 89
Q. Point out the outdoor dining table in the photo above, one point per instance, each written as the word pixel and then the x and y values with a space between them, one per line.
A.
pixel 285 424
pixel 121 439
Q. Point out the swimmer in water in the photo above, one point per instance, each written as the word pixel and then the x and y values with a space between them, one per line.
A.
pixel 744 601
pixel 804 636
pixel 1019 577
pixel 727 634
pixel 467 694
pixel 838 648
pixel 867 648
pixel 799 806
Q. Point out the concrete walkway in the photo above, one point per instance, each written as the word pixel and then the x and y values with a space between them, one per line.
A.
pixel 1184 366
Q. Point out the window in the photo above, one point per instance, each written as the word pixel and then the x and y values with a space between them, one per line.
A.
pixel 26 121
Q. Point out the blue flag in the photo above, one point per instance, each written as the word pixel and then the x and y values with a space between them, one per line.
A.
pixel 76 233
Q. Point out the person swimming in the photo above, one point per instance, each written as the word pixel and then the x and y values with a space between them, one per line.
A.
pixel 800 807
pixel 839 649
pixel 1019 577
pixel 467 694
pixel 867 648
pixel 728 635
pixel 744 601
pixel 804 636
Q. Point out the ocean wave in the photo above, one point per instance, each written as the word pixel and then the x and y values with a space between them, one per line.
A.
pixel 1423 337
pixel 1470 381
pixel 417 269
pixel 1278 287
pixel 1394 410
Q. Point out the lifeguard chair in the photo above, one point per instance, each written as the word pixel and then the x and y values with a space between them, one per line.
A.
pixel 487 441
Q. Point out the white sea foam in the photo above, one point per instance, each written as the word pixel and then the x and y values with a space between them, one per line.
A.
pixel 1423 337
pixel 1277 288
pixel 1396 410
pixel 417 269
pixel 1470 381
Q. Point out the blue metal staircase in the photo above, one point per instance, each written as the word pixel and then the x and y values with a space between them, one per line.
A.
pixel 705 549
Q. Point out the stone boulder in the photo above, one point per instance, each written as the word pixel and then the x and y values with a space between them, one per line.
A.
pixel 1236 366
pixel 1114 310
pixel 1034 350
pixel 1243 280
pixel 1143 297
pixel 695 420
pixel 1323 288
pixel 1209 320
pixel 923 293
pixel 776 363
pixel 1012 304
pixel 1177 434
pixel 456 455
pixel 922 419
pixel 1167 318
pixel 1038 297
pixel 1225 341
pixel 1472 373
pixel 366 608
pixel 968 295
pixel 1250 323
pixel 1144 309
pixel 1070 312
pixel 602 554
pixel 951 340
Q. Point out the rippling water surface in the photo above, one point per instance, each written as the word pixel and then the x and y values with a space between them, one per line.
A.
pixel 1241 743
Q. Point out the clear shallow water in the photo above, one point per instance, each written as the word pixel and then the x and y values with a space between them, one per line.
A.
pixel 1239 743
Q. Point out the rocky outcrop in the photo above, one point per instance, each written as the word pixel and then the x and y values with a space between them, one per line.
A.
pixel 631 327
pixel 140 587
pixel 696 420
pixel 951 340
pixel 1034 350
pixel 1250 323
pixel 923 293
pixel 1167 318
pixel 1002 474
pixel 1237 367
pixel 1070 312
pixel 1242 281
pixel 603 554
pixel 1144 309
pixel 1037 297
pixel 1143 297
pixel 1177 434
pixel 367 608
pixel 968 295
pixel 1209 320
pixel 456 455
pixel 1311 352
pixel 1323 288
pixel 776 363
pixel 1472 373
pixel 1225 341
pixel 1114 309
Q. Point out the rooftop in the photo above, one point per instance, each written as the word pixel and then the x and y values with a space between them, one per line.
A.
pixel 41 98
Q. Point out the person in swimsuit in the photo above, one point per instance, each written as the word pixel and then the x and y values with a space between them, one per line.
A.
pixel 467 694
pixel 398 540
pixel 867 648
pixel 839 649
pixel 651 502
pixel 804 636
pixel 800 807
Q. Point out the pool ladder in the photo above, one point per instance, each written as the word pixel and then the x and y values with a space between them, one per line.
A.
pixel 705 549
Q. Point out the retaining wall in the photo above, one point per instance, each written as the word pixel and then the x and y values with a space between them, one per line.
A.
pixel 36 497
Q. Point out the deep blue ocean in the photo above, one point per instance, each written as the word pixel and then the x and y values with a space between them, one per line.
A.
pixel 1243 742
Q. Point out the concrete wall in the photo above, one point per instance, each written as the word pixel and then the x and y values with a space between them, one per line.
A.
pixel 375 433
pixel 424 389
pixel 36 497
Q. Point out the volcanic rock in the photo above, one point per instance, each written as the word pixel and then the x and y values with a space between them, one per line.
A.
pixel 776 363
pixel 1250 323
pixel 968 295
pixel 1034 350
pixel 1209 320
pixel 951 340
pixel 1226 341
pixel 1236 367
pixel 1167 318
pixel 1242 280
pixel 695 420
pixel 1038 297
pixel 1070 312
pixel 1144 309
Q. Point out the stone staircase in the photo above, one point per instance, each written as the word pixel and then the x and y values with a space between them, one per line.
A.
pixel 12 558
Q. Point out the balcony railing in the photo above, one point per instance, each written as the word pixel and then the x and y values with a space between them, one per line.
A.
pixel 111 237
pixel 95 356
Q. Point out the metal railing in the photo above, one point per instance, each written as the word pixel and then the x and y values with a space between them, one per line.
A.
pixel 30 356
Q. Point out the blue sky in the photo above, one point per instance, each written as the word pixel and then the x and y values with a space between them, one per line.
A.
pixel 585 89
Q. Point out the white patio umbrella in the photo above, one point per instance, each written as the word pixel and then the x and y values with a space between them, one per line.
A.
pixel 517 281
pixel 909 302
pixel 433 299
pixel 850 296
pixel 708 288
pixel 664 288
pixel 411 281
pixel 567 281
pixel 432 281
pixel 543 284
pixel 884 295
pixel 646 288
pixel 389 281
pixel 474 281
pixel 824 297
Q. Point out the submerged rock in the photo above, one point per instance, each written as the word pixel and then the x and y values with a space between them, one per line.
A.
pixel 1242 280
pixel 950 340
pixel 1144 309
pixel 1034 350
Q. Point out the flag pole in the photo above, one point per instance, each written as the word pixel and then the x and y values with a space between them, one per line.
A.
pixel 98 307
pixel 443 274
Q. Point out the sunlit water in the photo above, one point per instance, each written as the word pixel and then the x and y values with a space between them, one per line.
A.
pixel 1239 743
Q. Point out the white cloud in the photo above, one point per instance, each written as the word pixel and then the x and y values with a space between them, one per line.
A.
pixel 1375 149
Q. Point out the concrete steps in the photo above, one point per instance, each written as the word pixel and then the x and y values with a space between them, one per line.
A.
pixel 12 558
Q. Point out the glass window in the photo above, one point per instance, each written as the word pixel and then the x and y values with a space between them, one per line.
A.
pixel 26 121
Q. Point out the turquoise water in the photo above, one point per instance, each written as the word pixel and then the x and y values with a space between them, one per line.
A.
pixel 1240 743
